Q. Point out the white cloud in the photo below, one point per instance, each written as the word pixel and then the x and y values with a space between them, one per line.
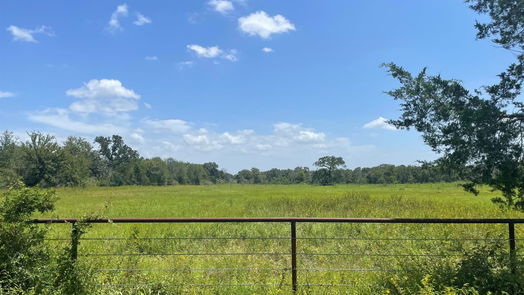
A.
pixel 259 23
pixel 141 19
pixel 231 55
pixel 206 52
pixel 26 35
pixel 114 21
pixel 148 106
pixel 114 105
pixel 184 64
pixel 105 96
pixel 171 125
pixel 137 135
pixel 222 6
pixel 267 49
pixel 212 52
pixel 379 123
pixel 61 118
pixel 239 137
pixel 202 142
pixel 6 94
pixel 103 88
pixel 151 58
pixel 298 133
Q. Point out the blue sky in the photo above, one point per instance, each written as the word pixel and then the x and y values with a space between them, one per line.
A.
pixel 244 83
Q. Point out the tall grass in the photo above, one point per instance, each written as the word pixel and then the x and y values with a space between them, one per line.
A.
pixel 172 273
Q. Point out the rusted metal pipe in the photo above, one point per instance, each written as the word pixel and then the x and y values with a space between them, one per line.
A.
pixel 285 219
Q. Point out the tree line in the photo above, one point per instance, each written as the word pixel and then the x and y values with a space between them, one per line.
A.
pixel 109 161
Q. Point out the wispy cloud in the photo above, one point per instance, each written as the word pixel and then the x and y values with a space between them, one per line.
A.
pixel 171 125
pixel 379 123
pixel 151 58
pixel 27 35
pixel 141 19
pixel 267 49
pixel 213 52
pixel 61 118
pixel 114 21
pixel 222 6
pixel 6 94
pixel 205 52
pixel 263 25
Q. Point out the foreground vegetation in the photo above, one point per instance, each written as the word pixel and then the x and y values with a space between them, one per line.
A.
pixel 465 266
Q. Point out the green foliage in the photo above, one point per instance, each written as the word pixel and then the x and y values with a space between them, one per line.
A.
pixel 328 174
pixel 28 265
pixel 24 258
pixel 42 161
pixel 72 277
pixel 485 269
pixel 78 156
pixel 426 287
pixel 478 133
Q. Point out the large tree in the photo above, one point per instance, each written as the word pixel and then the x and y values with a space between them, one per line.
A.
pixel 329 166
pixel 479 133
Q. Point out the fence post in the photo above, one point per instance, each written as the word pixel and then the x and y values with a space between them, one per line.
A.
pixel 294 256
pixel 512 247
pixel 74 241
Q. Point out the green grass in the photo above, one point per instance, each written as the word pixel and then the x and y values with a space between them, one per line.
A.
pixel 417 201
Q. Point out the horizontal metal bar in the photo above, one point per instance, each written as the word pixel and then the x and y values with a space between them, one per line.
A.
pixel 174 238
pixel 269 254
pixel 243 269
pixel 282 238
pixel 283 219
pixel 194 285
pixel 235 285
pixel 189 269
pixel 354 269
pixel 184 254
pixel 338 285
pixel 380 255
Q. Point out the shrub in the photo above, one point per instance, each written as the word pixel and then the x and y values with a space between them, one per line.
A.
pixel 27 264
pixel 24 258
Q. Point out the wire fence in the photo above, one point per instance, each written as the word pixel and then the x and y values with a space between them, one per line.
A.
pixel 294 262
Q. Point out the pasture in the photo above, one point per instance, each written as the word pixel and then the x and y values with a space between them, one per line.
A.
pixel 361 260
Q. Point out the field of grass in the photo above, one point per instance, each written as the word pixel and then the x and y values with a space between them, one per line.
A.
pixel 387 243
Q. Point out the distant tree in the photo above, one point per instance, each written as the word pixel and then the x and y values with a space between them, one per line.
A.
pixel 329 165
pixel 119 160
pixel 301 175
pixel 42 159
pixel 212 171
pixel 244 177
pixel 256 176
pixel 196 174
pixel 78 156
pixel 480 133
pixel 153 172
pixel 10 156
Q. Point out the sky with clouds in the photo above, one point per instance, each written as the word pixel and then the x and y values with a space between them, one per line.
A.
pixel 244 83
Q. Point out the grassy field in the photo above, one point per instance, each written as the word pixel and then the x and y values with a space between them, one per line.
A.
pixel 387 243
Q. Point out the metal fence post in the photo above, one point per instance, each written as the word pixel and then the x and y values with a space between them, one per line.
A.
pixel 74 241
pixel 294 256
pixel 512 247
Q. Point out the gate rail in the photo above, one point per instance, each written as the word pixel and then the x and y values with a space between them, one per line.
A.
pixel 293 231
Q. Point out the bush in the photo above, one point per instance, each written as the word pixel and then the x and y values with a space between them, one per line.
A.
pixel 24 258
pixel 27 264
pixel 485 269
